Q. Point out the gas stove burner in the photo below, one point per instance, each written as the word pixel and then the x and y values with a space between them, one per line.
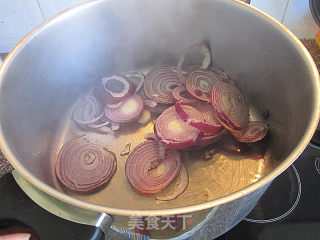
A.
pixel 315 141
pixel 264 207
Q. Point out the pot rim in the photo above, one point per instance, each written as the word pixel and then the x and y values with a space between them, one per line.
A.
pixel 299 148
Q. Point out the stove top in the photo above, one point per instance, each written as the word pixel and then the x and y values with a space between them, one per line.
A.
pixel 290 207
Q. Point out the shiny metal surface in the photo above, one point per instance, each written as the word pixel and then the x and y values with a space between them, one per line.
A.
pixel 220 176
pixel 59 61
pixel 56 206
pixel 206 224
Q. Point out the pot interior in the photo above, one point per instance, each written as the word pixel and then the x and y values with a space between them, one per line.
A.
pixel 60 62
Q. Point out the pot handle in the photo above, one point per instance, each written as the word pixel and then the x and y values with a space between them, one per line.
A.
pixel 104 222
pixel 101 221
pixel 35 213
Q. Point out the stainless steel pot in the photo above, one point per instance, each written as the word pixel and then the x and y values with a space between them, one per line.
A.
pixel 60 60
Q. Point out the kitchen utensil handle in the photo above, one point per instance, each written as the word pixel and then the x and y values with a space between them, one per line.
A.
pixel 104 222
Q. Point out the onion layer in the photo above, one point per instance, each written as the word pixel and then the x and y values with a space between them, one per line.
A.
pixel 182 186
pixel 145 117
pixel 129 111
pixel 87 111
pixel 208 139
pixel 116 105
pixel 253 132
pixel 159 84
pixel 203 49
pixel 173 132
pixel 83 166
pixel 113 89
pixel 153 106
pixel 181 94
pixel 229 103
pixel 137 78
pixel 199 83
pixel 89 115
pixel 138 170
pixel 205 120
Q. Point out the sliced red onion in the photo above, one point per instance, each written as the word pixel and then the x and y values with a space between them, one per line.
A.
pixel 103 129
pixel 181 94
pixel 160 108
pixel 115 105
pixel 182 186
pixel 253 132
pixel 126 150
pixel 115 126
pixel 199 83
pixel 16 236
pixel 98 125
pixel 150 103
pixel 138 170
pixel 89 116
pixel 208 139
pixel 173 132
pixel 129 111
pixel 205 120
pixel 137 78
pixel 145 117
pixel 230 105
pixel 162 150
pixel 153 106
pixel 113 89
pixel 219 73
pixel 203 49
pixel 159 84
pixel 151 136
pixel 87 111
pixel 83 166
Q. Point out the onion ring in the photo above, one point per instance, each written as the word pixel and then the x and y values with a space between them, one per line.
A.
pixel 87 111
pixel 173 132
pixel 205 120
pixel 160 108
pixel 113 89
pixel 230 105
pixel 203 49
pixel 253 132
pixel 83 166
pixel 199 83
pixel 207 139
pixel 126 150
pixel 115 105
pixel 88 116
pixel 153 106
pixel 182 186
pixel 159 84
pixel 181 94
pixel 151 136
pixel 137 78
pixel 138 171
pixel 129 111
pixel 115 126
pixel 162 147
